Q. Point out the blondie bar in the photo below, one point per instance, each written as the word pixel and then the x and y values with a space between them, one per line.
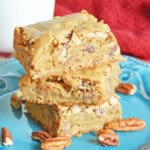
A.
pixel 74 120
pixel 87 87
pixel 70 43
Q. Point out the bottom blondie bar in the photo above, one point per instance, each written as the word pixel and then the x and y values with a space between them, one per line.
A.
pixel 74 120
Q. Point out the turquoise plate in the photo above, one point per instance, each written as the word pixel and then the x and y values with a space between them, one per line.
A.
pixel 21 125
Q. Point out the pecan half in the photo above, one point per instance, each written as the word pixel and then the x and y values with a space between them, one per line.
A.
pixel 6 137
pixel 16 101
pixel 107 137
pixel 57 143
pixel 40 135
pixel 90 48
pixel 55 43
pixel 130 124
pixel 126 88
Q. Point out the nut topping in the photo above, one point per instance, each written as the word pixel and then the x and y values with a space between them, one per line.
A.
pixel 55 43
pixel 40 135
pixel 57 143
pixel 6 137
pixel 75 109
pixel 107 137
pixel 113 100
pixel 97 34
pixel 16 102
pixel 90 48
pixel 101 35
pixel 130 124
pixel 126 88
pixel 76 39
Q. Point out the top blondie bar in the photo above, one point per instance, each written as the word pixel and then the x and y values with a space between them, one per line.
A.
pixel 70 43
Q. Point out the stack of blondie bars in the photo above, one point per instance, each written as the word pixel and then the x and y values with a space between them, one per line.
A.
pixel 72 70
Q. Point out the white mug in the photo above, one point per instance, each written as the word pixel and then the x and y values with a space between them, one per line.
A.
pixel 20 13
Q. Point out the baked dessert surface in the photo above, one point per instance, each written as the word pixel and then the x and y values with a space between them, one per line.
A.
pixel 85 87
pixel 70 43
pixel 74 120
pixel 72 70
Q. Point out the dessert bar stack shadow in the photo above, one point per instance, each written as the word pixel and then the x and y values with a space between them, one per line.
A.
pixel 72 70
